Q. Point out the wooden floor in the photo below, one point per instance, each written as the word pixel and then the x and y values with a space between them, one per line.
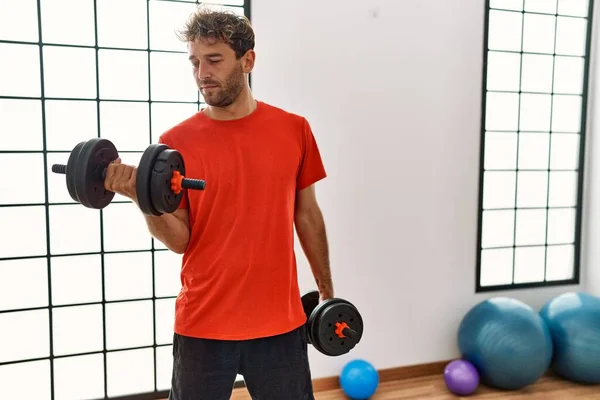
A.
pixel 433 388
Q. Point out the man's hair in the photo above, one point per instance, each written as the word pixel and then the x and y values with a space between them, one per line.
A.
pixel 220 25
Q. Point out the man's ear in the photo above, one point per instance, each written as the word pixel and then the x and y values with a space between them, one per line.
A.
pixel 248 60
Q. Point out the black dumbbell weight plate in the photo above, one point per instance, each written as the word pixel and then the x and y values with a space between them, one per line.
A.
pixel 94 157
pixel 310 301
pixel 144 178
pixel 322 326
pixel 164 200
pixel 70 171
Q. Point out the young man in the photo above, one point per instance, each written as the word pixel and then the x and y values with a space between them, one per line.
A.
pixel 239 309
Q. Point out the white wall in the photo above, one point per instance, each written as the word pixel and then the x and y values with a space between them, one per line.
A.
pixel 591 236
pixel 393 91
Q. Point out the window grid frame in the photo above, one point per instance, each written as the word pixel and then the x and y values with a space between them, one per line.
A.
pixel 576 276
pixel 155 394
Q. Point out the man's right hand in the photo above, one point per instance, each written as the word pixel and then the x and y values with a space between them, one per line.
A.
pixel 120 178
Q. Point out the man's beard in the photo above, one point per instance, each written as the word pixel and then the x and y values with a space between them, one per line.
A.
pixel 226 94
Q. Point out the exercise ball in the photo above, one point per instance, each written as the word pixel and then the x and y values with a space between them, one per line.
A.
pixel 574 323
pixel 507 341
pixel 359 379
pixel 461 377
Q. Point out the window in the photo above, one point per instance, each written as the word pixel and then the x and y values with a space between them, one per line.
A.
pixel 533 133
pixel 86 296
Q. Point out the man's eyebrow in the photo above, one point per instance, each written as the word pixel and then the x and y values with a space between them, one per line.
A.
pixel 192 57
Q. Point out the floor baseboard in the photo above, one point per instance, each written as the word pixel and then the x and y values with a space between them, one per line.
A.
pixel 388 374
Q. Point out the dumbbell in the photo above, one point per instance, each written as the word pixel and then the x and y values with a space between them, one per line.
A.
pixel 333 326
pixel 160 178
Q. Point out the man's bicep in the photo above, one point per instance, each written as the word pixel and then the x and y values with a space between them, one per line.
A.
pixel 306 200
pixel 182 214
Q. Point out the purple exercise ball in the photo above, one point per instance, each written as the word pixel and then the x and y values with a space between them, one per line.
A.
pixel 461 377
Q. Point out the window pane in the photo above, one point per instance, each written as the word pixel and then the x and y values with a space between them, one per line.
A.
pixel 126 124
pixel 70 122
pixel 573 7
pixel 23 242
pixel 172 78
pixel 21 76
pixel 122 24
pixel 165 320
pixel 541 6
pixel 19 20
pixel 534 150
pixel 80 377
pixel 74 229
pixel 77 329
pixel 529 264
pixel 129 324
pixel 532 188
pixel 125 228
pixel 123 74
pixel 504 30
pixel 535 112
pixel 516 5
pixel 500 150
pixel 29 167
pixel 537 73
pixel 531 227
pixel 21 375
pixel 128 276
pixel 167 273
pixel 564 151
pixel 164 367
pixel 566 113
pixel 502 112
pixel 167 115
pixel 28 335
pixel 166 18
pixel 14 273
pixel 496 267
pixel 571 36
pixel 538 33
pixel 85 270
pixel 23 118
pixel 503 71
pixel 561 226
pixel 559 262
pixel 563 189
pixel 130 372
pixel 497 228
pixel 499 189
pixel 568 75
pixel 69 72
pixel 77 29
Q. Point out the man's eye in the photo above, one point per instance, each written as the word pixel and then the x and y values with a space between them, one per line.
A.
pixel 214 61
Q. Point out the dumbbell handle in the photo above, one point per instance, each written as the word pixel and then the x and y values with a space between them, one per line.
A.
pixel 186 183
pixel 349 332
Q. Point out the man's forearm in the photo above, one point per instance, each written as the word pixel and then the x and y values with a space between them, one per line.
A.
pixel 310 227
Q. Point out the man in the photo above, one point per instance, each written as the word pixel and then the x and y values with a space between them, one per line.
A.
pixel 239 309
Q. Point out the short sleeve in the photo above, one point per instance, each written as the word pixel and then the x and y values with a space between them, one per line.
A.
pixel 184 199
pixel 311 168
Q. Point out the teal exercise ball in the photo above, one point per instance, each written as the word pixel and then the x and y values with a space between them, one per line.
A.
pixel 574 323
pixel 507 341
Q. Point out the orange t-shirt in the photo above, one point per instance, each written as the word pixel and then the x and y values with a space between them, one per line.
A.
pixel 239 278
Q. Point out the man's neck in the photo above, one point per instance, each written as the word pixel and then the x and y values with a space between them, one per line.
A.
pixel 243 106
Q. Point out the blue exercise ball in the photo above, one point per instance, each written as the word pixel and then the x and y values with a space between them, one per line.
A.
pixel 574 323
pixel 359 379
pixel 507 341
